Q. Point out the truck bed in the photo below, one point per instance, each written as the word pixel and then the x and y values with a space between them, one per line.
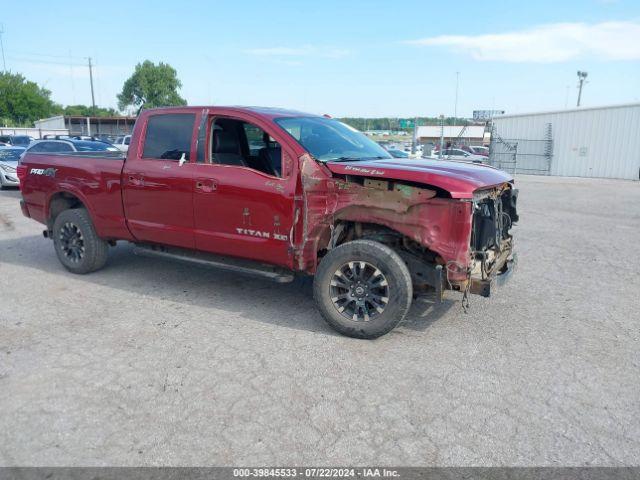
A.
pixel 94 177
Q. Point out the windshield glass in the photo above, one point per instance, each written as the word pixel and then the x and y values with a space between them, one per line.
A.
pixel 328 139
pixel 10 154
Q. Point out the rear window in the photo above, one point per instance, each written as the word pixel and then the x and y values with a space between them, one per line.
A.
pixel 169 136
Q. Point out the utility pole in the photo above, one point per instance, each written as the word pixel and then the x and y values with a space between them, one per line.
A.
pixel 455 108
pixel 4 63
pixel 441 136
pixel 93 99
pixel 581 80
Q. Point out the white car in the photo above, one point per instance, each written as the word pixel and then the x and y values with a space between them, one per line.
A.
pixel 481 150
pixel 122 142
pixel 457 154
pixel 9 157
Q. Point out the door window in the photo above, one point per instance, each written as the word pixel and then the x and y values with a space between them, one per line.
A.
pixel 168 136
pixel 242 144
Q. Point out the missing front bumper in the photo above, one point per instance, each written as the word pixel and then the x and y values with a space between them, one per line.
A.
pixel 483 287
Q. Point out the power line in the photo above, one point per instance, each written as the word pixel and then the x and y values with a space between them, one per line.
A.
pixel 45 62
pixel 40 54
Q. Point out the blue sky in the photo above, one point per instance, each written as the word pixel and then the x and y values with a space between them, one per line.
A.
pixel 339 57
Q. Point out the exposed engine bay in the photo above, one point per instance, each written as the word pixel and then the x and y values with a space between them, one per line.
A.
pixel 494 214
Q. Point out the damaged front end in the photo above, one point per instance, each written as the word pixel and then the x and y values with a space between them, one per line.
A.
pixel 492 254
pixel 460 243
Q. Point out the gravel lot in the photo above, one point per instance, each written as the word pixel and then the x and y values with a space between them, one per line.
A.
pixel 153 362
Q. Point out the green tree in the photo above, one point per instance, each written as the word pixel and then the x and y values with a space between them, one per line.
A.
pixel 151 86
pixel 23 101
pixel 85 111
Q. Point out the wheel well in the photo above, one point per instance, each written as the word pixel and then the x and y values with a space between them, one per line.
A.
pixel 422 262
pixel 60 202
pixel 346 231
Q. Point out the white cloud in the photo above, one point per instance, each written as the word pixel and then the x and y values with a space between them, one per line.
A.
pixel 557 42
pixel 302 51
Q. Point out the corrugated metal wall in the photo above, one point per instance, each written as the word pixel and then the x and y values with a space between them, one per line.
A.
pixel 590 142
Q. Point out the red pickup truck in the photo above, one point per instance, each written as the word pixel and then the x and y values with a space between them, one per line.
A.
pixel 276 193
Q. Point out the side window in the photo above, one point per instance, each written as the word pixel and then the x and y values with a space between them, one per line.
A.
pixel 242 144
pixel 127 140
pixel 169 136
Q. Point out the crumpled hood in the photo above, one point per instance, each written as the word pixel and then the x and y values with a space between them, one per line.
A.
pixel 460 179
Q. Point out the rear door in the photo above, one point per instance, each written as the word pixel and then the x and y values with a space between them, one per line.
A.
pixel 158 181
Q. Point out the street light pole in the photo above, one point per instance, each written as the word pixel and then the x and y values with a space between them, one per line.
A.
pixel 581 80
pixel 455 107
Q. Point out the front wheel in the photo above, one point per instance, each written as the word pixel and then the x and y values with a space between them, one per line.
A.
pixel 363 289
pixel 76 243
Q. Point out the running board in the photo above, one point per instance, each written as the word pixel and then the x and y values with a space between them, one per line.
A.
pixel 247 267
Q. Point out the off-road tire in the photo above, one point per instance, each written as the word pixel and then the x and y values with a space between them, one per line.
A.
pixel 395 272
pixel 94 249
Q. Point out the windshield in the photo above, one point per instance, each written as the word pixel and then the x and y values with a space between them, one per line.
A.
pixel 328 139
pixel 10 154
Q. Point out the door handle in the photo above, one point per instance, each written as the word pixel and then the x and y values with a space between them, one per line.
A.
pixel 136 181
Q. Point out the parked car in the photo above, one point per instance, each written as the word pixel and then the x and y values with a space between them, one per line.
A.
pixel 16 140
pixel 479 150
pixel 63 145
pixel 459 154
pixel 398 153
pixel 319 198
pixel 122 142
pixel 9 157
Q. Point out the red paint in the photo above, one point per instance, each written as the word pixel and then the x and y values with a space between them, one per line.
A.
pixel 224 209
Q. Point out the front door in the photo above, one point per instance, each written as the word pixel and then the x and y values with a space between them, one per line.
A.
pixel 158 183
pixel 244 199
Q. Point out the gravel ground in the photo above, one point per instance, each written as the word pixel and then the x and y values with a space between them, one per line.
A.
pixel 154 362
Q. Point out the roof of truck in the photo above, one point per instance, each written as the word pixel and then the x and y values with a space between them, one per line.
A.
pixel 270 112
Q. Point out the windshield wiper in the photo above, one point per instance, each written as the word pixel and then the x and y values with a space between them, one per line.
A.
pixel 345 159
pixel 355 159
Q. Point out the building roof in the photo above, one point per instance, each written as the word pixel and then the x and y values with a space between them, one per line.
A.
pixel 568 110
pixel 101 119
pixel 451 131
pixel 91 119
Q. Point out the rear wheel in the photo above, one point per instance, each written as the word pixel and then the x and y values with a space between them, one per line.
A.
pixel 363 289
pixel 76 243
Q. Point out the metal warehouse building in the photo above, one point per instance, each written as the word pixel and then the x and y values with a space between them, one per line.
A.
pixel 585 142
